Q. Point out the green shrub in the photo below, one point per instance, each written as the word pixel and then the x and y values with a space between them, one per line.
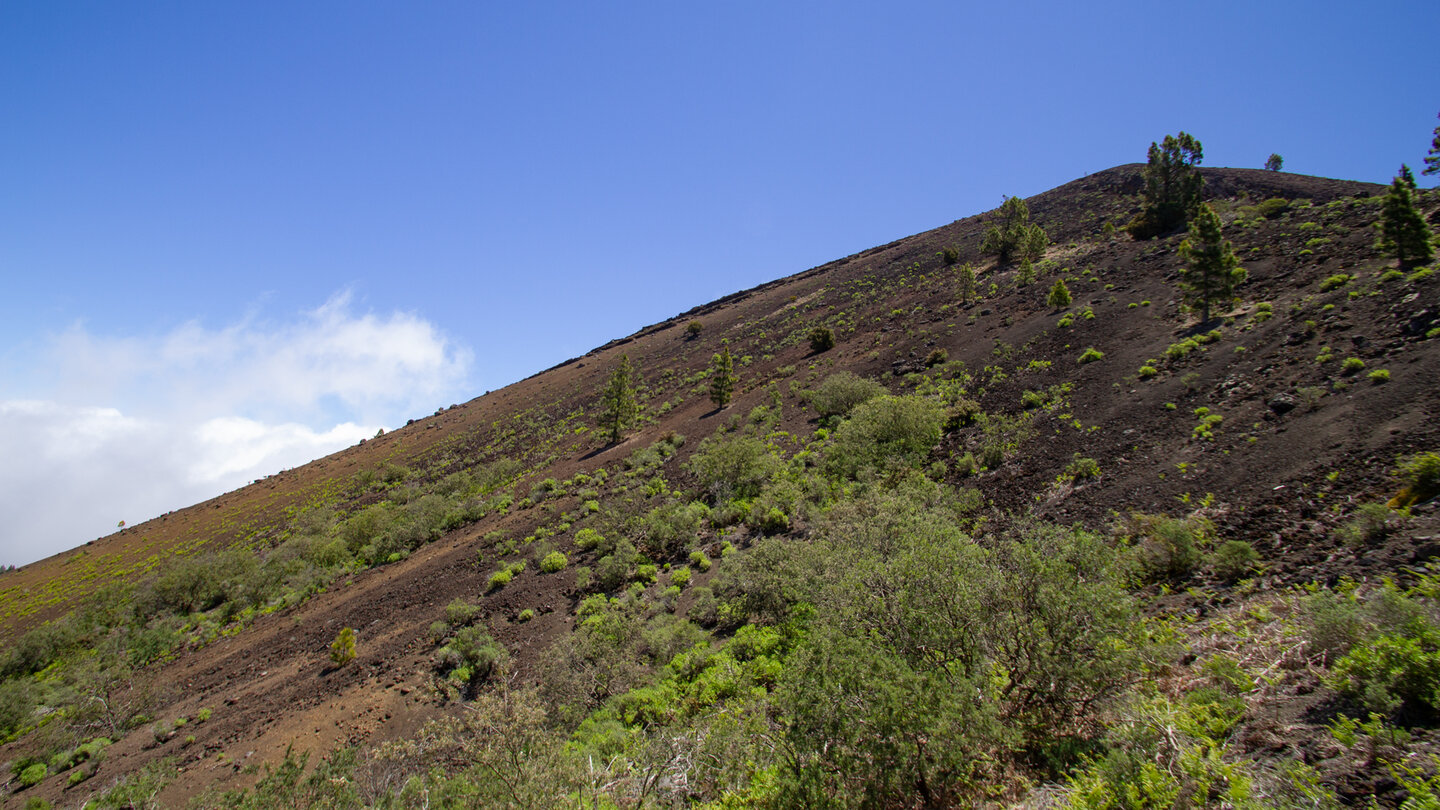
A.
pixel 1273 207
pixel 937 357
pixel 33 775
pixel 1147 371
pixel 460 613
pixel 1336 281
pixel 886 430
pixel 1168 548
pixel 693 330
pixel 1352 365
pixel 1387 672
pixel 770 521
pixel 501 578
pixel 680 577
pixel 554 561
pixel 1234 559
pixel 1091 355
pixel 1369 524
pixel 842 391
pixel 526 615
pixel 733 467
pixel 821 339
pixel 1081 468
pixel 700 561
pixel 1379 376
pixel 586 539
pixel 1420 474
pixel 342 650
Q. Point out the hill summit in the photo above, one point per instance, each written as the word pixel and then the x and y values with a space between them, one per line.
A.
pixel 948 538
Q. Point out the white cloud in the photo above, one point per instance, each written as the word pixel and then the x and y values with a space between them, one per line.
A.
pixel 126 428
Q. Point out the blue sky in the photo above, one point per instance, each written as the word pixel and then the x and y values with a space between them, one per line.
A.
pixel 237 236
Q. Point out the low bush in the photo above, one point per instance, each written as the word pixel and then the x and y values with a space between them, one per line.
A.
pixel 842 391
pixel 1368 525
pixel 501 578
pixel 1391 672
pixel 1336 281
pixel 1273 207
pixel 1091 355
pixel 1234 559
pixel 554 561
pixel 460 613
pixel 821 339
pixel 33 775
pixel 1420 474
pixel 1168 548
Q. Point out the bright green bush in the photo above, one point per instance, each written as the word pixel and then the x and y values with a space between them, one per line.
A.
pixel 554 561
pixel 501 578
pixel 1352 365
pixel 1090 355
pixel 1336 281
pixel 33 775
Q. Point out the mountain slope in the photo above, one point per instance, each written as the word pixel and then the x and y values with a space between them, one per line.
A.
pixel 511 475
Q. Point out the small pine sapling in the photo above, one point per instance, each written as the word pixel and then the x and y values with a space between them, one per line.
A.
pixel 1059 295
pixel 722 378
pixel 342 651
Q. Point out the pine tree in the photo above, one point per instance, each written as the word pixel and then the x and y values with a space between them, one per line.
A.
pixel 1214 272
pixel 1026 276
pixel 1403 232
pixel 618 400
pixel 722 378
pixel 1059 295
pixel 342 651
pixel 1172 185
pixel 965 277
pixel 1014 235
pixel 1432 160
pixel 1274 162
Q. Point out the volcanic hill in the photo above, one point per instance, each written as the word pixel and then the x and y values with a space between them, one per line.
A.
pixel 1222 481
